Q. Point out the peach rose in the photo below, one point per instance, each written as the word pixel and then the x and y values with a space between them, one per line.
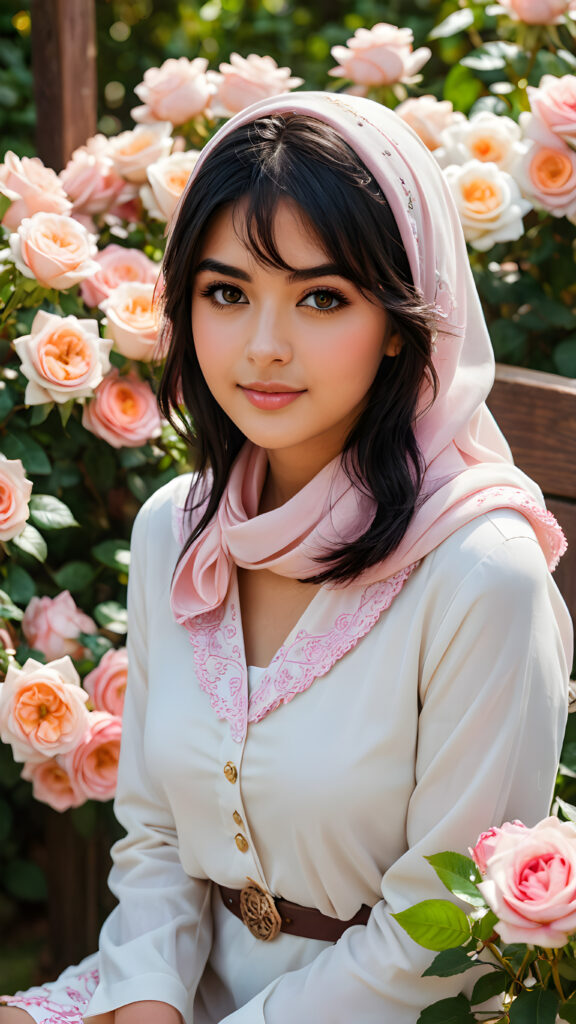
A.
pixel 53 624
pixel 91 181
pixel 379 56
pixel 488 841
pixel 123 412
pixel 132 320
pixel 246 80
pixel 530 884
pixel 536 12
pixel 52 785
pixel 176 91
pixel 132 152
pixel 428 117
pixel 31 187
pixel 56 250
pixel 489 203
pixel 486 137
pixel 117 264
pixel 15 491
pixel 106 684
pixel 42 709
pixel 553 104
pixel 93 763
pixel 168 179
pixel 547 176
pixel 62 358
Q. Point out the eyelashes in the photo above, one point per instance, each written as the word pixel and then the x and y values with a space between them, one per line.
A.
pixel 211 290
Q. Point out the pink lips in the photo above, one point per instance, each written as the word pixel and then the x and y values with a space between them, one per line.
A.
pixel 270 395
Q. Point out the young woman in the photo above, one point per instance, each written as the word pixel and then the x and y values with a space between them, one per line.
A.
pixel 346 649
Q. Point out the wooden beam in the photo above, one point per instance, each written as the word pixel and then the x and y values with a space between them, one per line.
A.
pixel 65 85
pixel 537 413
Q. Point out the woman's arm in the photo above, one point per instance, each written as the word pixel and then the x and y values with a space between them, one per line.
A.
pixel 493 691
pixel 154 945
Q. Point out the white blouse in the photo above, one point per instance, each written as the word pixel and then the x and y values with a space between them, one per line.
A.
pixel 441 715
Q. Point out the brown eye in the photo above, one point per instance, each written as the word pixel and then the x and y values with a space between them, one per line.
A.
pixel 230 293
pixel 324 299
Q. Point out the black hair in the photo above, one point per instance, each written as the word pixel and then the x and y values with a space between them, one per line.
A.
pixel 296 157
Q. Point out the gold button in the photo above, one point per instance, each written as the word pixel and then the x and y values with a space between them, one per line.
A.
pixel 237 818
pixel 230 771
pixel 241 842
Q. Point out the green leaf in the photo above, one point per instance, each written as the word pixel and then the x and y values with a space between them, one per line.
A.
pixel 483 928
pixel 564 356
pixel 435 924
pixel 515 953
pixel 96 644
pixel 534 1006
pixel 492 56
pixel 6 818
pixel 113 553
pixel 32 543
pixel 50 513
pixel 448 1011
pixel 84 819
pixel 488 986
pixel 569 812
pixel 5 203
pixel 459 874
pixel 40 413
pixel 19 583
pixel 74 576
pixel 65 410
pixel 7 400
pixel 25 881
pixel 449 962
pixel 459 21
pixel 113 617
pixel 8 609
pixel 462 88
pixel 567 969
pixel 17 445
pixel 567 1011
pixel 100 466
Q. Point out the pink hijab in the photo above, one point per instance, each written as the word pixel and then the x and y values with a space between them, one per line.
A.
pixel 469 465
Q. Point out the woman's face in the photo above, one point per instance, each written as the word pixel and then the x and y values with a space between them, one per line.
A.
pixel 289 356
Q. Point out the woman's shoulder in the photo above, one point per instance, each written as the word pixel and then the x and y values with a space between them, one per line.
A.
pixel 164 510
pixel 502 538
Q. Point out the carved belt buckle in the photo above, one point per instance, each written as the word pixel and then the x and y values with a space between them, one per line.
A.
pixel 259 912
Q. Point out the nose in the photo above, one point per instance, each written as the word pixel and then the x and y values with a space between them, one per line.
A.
pixel 267 340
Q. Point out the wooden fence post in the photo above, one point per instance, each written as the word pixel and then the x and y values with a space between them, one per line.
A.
pixel 65 87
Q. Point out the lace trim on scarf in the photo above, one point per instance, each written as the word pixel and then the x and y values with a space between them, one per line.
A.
pixel 220 664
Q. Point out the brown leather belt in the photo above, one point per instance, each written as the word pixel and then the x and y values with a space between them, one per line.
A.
pixel 265 915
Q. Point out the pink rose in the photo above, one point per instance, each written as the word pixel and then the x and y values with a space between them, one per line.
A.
pixel 93 763
pixel 168 179
pixel 56 250
pixel 52 785
pixel 42 709
pixel 176 91
pixel 53 624
pixel 106 684
pixel 553 103
pixel 117 264
pixel 91 181
pixel 62 358
pixel 530 884
pixel 536 12
pixel 132 320
pixel 379 56
pixel 31 187
pixel 123 411
pixel 488 841
pixel 547 174
pixel 132 152
pixel 15 491
pixel 246 80
pixel 428 117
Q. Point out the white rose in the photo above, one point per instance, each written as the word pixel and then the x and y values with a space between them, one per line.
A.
pixel 168 179
pixel 489 203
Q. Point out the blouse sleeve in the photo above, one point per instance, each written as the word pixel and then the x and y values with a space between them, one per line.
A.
pixel 493 709
pixel 155 944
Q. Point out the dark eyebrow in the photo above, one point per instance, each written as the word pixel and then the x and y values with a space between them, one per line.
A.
pixel 323 270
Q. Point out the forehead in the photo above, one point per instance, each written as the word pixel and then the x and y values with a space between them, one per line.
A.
pixel 294 235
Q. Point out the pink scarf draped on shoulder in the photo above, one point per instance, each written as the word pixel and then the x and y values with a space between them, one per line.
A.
pixel 469 469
